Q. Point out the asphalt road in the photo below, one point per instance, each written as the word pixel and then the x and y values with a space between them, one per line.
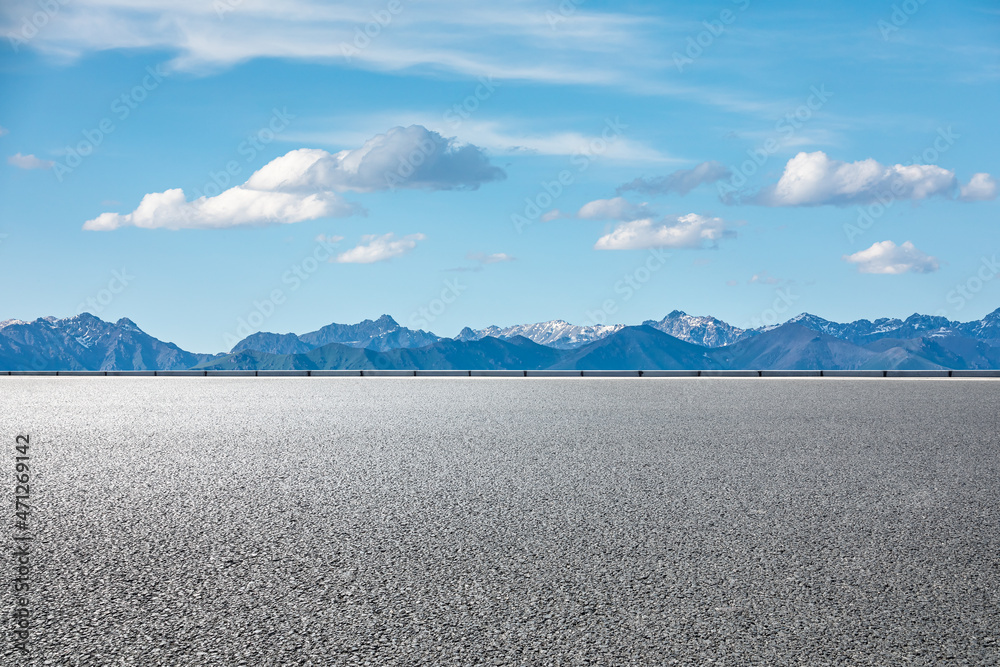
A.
pixel 377 521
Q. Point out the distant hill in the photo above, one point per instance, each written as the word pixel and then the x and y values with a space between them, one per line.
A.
pixel 641 347
pixel 446 354
pixel 795 347
pixel 381 334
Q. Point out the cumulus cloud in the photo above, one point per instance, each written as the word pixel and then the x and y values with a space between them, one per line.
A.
pixel 239 206
pixel 29 161
pixel 681 181
pixel 982 187
pixel 375 248
pixel 813 179
pixel 887 257
pixel 304 184
pixel 404 157
pixel 618 208
pixel 686 231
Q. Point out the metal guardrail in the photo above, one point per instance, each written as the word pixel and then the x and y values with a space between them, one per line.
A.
pixel 528 374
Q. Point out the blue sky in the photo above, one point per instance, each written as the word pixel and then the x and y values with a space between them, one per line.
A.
pixel 466 164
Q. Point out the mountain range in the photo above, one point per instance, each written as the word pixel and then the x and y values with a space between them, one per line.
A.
pixel 678 341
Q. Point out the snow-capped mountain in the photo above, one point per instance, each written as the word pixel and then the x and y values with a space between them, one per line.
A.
pixel 986 329
pixel 86 342
pixel 707 331
pixel 555 333
pixel 862 332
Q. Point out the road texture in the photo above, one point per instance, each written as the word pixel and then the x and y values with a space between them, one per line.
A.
pixel 382 521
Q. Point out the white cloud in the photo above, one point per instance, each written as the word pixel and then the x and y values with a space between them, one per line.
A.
pixel 404 157
pixel 982 187
pixel 618 208
pixel 493 258
pixel 681 181
pixel 887 257
pixel 375 248
pixel 3 130
pixel 522 40
pixel 209 35
pixel 29 162
pixel 303 184
pixel 554 214
pixel 813 179
pixel 332 239
pixel 236 207
pixel 686 231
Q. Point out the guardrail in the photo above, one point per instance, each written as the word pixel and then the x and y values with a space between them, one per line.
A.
pixel 527 374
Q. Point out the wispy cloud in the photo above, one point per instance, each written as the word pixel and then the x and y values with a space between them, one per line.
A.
pixel 491 258
pixel 617 208
pixel 29 161
pixel 764 278
pixel 483 259
pixel 680 182
pixel 501 137
pixel 519 41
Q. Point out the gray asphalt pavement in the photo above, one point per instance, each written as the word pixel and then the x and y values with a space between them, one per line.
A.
pixel 380 521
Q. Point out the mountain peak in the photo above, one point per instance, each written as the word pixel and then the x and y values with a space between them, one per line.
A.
pixel 127 324
pixel 466 334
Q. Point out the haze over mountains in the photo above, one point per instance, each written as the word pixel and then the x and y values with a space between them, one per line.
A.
pixel 678 341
